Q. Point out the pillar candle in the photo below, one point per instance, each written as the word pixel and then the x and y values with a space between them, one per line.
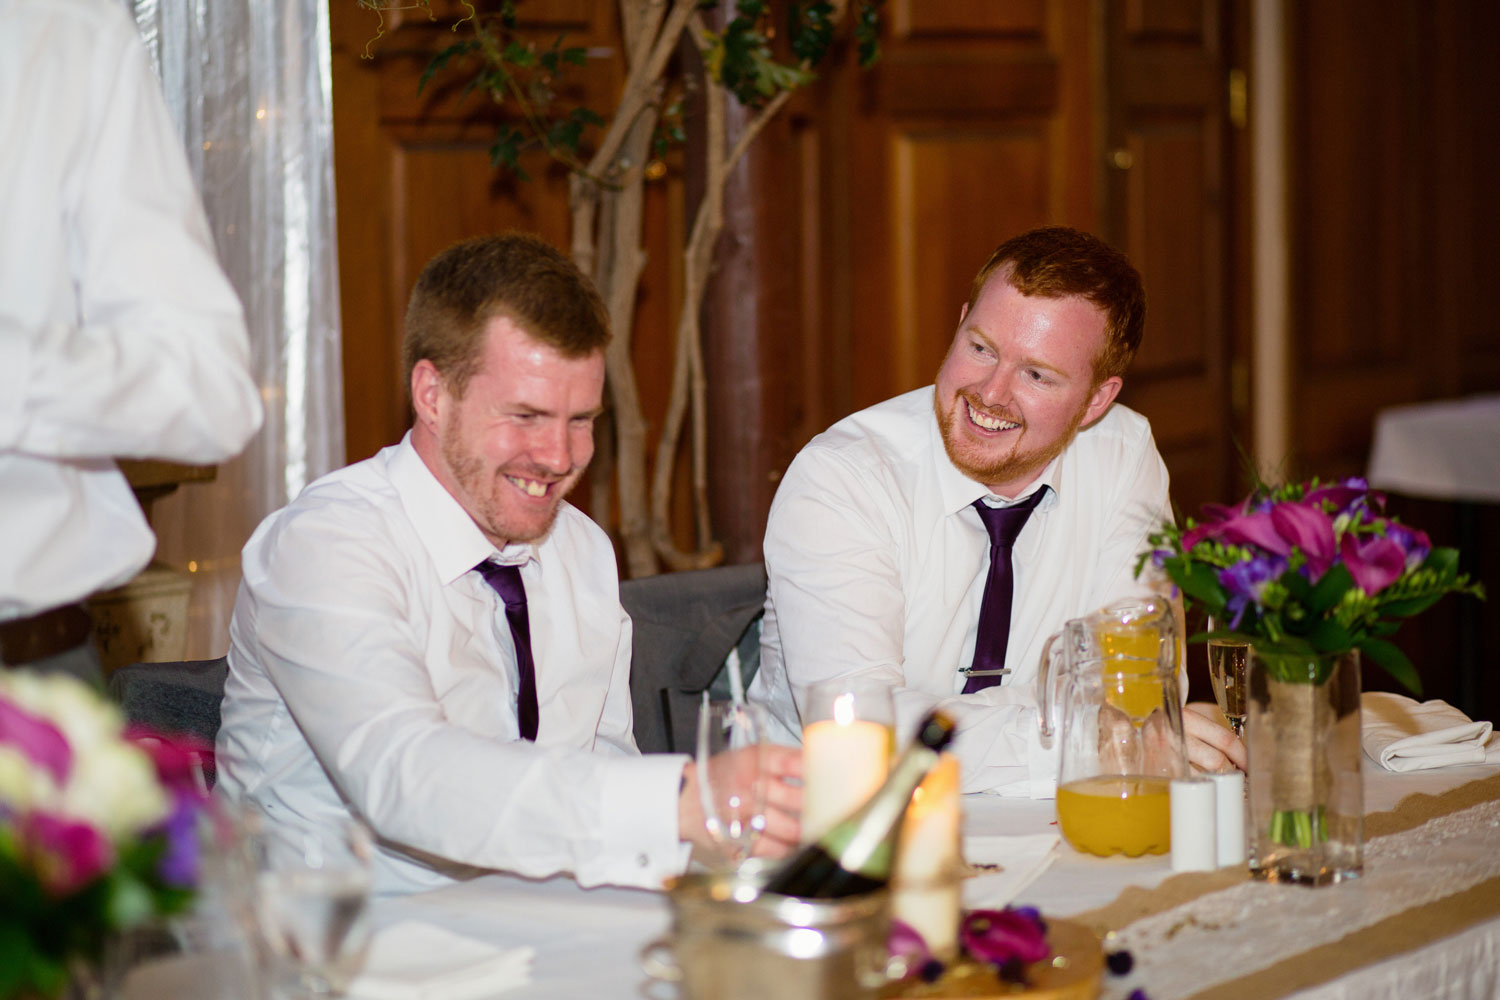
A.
pixel 926 890
pixel 843 762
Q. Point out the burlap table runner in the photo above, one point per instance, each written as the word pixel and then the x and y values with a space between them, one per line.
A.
pixel 1408 930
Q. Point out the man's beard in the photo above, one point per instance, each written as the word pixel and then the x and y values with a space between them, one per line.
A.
pixel 482 487
pixel 1015 464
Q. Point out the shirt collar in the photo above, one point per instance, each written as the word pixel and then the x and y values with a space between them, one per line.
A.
pixel 959 491
pixel 446 530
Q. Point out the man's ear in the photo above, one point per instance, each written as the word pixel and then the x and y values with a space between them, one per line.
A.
pixel 429 393
pixel 1104 394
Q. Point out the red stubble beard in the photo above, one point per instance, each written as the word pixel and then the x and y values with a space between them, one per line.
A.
pixel 1016 463
pixel 486 490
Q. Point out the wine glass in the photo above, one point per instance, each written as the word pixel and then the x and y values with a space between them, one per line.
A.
pixel 731 776
pixel 310 902
pixel 1229 671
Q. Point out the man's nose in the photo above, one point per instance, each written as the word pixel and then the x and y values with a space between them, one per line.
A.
pixel 995 391
pixel 552 448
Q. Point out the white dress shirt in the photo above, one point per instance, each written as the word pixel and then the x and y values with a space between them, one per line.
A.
pixel 372 671
pixel 119 334
pixel 877 563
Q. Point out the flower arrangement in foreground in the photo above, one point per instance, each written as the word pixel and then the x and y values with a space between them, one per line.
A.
pixel 1306 573
pixel 98 828
pixel 1310 570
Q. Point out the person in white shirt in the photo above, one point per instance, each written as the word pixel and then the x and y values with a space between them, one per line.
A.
pixel 120 336
pixel 878 559
pixel 375 671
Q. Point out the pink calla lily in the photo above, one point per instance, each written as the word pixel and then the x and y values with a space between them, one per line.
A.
pixel 1310 530
pixel 1374 562
pixel 1259 531
pixel 36 738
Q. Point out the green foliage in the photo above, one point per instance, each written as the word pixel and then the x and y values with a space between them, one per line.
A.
pixel 523 79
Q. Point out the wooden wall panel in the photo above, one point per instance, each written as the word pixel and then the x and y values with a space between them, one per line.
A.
pixel 1170 211
pixel 413 175
pixel 969 185
pixel 1392 164
pixel 964 18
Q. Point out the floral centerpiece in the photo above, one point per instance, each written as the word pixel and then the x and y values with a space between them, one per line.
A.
pixel 98 829
pixel 1311 575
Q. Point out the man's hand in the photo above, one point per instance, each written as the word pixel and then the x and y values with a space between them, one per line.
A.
pixel 783 776
pixel 1211 745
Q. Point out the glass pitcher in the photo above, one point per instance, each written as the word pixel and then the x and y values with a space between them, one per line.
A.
pixel 1120 731
pixel 1137 634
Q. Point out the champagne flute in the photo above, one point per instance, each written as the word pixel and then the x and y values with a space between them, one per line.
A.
pixel 731 776
pixel 311 895
pixel 1229 671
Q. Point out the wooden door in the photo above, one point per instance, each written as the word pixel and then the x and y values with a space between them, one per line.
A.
pixel 1171 204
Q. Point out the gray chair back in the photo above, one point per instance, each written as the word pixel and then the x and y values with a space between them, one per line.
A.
pixel 176 698
pixel 685 626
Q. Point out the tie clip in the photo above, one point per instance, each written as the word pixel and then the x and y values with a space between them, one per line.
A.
pixel 971 672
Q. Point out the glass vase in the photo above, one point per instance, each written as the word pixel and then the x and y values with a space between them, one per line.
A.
pixel 1306 792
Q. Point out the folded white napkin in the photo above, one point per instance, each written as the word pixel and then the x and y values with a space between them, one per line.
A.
pixel 417 961
pixel 1019 859
pixel 1401 734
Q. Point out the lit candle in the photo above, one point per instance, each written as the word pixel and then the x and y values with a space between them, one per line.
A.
pixel 926 888
pixel 844 760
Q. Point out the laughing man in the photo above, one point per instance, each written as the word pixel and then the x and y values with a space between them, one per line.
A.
pixel 877 553
pixel 432 639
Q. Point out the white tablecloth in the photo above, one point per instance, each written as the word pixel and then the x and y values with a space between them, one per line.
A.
pixel 588 941
pixel 1447 450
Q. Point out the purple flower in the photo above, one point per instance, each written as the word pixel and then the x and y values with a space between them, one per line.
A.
pixel 906 941
pixel 179 863
pixel 1000 936
pixel 66 854
pixel 1346 497
pixel 1310 530
pixel 1373 561
pixel 37 738
pixel 1246 583
pixel 1414 543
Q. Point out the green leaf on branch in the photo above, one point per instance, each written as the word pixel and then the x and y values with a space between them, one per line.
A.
pixel 444 56
pixel 505 152
pixel 1389 658
pixel 811 30
pixel 519 54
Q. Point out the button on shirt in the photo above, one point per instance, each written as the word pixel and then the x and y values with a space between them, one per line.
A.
pixel 371 670
pixel 877 561
pixel 119 333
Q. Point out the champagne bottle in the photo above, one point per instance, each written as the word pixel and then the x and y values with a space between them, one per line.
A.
pixel 856 855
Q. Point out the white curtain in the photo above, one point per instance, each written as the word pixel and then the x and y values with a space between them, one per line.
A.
pixel 249 84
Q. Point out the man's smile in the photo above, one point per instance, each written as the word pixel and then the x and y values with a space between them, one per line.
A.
pixel 987 422
pixel 531 487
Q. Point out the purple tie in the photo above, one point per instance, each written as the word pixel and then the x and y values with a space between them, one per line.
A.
pixel 1004 525
pixel 507 583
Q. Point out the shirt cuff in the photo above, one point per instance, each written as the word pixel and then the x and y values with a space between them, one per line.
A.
pixel 640 819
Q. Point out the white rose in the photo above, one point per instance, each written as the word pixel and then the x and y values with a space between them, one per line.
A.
pixel 116 789
pixel 23 785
